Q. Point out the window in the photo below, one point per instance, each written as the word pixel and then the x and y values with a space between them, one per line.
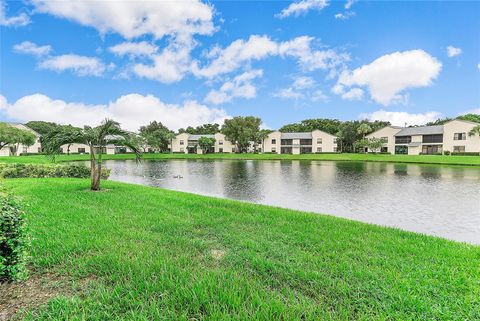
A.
pixel 220 142
pixel 319 140
pixel 432 138
pixel 220 150
pixel 319 149
pixel 385 139
pixel 81 150
pixel 182 150
pixel 305 142
pixel 402 150
pixel 459 149
pixel 274 141
pixel 335 149
pixel 39 149
pixel 403 140
pixel 335 140
pixel 182 142
pixel 25 149
pixel 459 136
pixel 274 150
pixel 287 141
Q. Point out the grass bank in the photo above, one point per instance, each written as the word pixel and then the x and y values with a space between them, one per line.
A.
pixel 155 254
pixel 420 159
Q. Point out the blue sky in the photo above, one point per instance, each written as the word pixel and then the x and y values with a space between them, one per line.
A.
pixel 190 62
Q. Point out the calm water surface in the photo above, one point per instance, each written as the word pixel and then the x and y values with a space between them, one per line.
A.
pixel 436 200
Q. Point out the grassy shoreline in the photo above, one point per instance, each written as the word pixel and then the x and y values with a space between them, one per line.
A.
pixel 163 255
pixel 420 159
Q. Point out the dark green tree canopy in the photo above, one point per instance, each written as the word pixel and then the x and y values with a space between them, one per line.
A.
pixel 205 129
pixel 156 135
pixel 206 143
pixel 11 136
pixel 241 131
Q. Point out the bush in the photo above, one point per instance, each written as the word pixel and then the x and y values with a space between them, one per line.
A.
pixel 47 171
pixel 465 154
pixel 447 152
pixel 14 242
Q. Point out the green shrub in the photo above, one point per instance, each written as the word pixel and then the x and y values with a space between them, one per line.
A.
pixel 447 152
pixel 47 171
pixel 465 153
pixel 14 242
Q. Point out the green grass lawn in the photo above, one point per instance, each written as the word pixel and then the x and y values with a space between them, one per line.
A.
pixel 154 254
pixel 422 159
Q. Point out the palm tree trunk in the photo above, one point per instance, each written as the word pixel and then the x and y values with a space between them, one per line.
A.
pixel 94 170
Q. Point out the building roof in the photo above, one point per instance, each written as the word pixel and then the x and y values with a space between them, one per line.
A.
pixel 424 130
pixel 23 127
pixel 197 137
pixel 307 135
pixel 389 126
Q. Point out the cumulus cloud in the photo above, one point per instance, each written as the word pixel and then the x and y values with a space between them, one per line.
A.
pixel 31 48
pixel 302 7
pixel 241 52
pixel 240 86
pixel 353 94
pixel 388 76
pixel 400 118
pixel 133 49
pixel 344 16
pixel 132 111
pixel 453 51
pixel 132 19
pixel 303 82
pixel 349 4
pixel 318 95
pixel 19 20
pixel 80 65
pixel 288 93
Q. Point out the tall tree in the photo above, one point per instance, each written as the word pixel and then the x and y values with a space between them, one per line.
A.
pixel 364 129
pixel 97 138
pixel 241 131
pixel 11 136
pixel 206 143
pixel 157 135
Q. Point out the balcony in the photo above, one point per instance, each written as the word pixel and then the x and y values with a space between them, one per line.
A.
pixel 432 139
pixel 403 139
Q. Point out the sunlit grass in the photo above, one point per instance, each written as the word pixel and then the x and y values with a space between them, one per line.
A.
pixel 163 255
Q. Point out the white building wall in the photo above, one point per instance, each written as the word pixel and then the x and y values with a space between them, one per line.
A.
pixel 272 143
pixel 471 143
pixel 323 142
pixel 389 133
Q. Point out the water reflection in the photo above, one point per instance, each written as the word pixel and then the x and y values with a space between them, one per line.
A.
pixel 437 200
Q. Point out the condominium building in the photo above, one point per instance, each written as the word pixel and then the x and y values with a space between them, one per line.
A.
pixel 18 149
pixel 188 144
pixel 452 137
pixel 316 141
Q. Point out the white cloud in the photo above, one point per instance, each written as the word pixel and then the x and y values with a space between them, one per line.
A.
pixel 344 16
pixel 132 19
pixel 80 65
pixel 132 111
pixel 399 118
pixel 303 82
pixel 16 21
pixel 349 4
pixel 240 86
pixel 241 52
pixel 478 66
pixel 318 95
pixel 133 49
pixel 289 93
pixel 31 48
pixel 353 94
pixel 453 51
pixel 388 76
pixel 302 7
pixel 236 55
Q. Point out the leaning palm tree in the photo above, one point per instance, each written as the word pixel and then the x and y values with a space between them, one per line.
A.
pixel 96 138
pixel 364 129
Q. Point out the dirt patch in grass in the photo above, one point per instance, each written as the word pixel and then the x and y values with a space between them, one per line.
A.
pixel 18 297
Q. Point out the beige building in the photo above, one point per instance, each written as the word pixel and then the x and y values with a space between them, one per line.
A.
pixel 428 140
pixel 19 149
pixel 316 141
pixel 188 144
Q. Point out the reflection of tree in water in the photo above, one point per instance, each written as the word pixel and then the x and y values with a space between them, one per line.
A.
pixel 242 181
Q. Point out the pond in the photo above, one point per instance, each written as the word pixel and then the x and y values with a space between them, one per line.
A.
pixel 436 200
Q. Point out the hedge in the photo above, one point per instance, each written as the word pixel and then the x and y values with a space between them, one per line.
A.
pixel 14 242
pixel 47 171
